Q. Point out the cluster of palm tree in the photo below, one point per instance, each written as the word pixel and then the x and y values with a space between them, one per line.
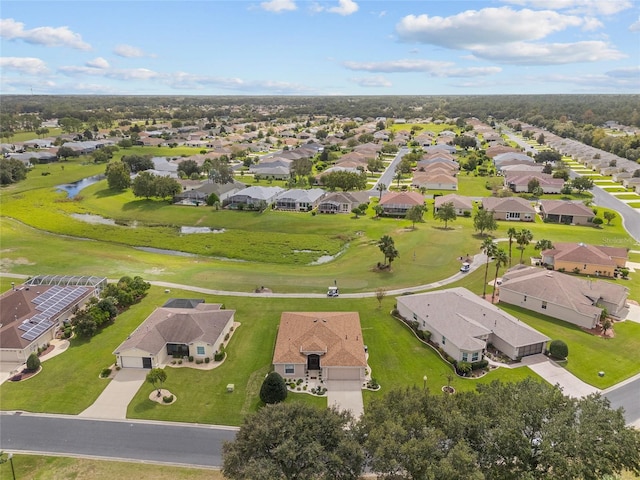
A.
pixel 522 237
pixel 388 248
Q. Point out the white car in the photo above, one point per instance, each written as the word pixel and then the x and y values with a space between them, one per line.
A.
pixel 465 267
pixel 333 292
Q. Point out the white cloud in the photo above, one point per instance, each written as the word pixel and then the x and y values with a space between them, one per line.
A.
pixel 523 53
pixel 279 5
pixel 345 7
pixel 98 62
pixel 635 26
pixel 26 65
pixel 48 36
pixel 591 23
pixel 489 26
pixel 394 66
pixel 591 7
pixel 376 81
pixel 118 74
pixel 129 51
pixel 626 72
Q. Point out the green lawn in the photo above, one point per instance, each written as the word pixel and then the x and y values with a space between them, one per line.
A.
pixel 589 354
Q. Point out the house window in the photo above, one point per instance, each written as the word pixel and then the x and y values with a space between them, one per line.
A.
pixel 544 305
pixel 289 369
pixel 474 357
pixel 525 298
pixel 199 350
pixel 464 357
pixel 444 340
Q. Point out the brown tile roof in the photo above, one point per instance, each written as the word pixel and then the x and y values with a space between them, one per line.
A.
pixel 583 253
pixel 335 335
pixel 565 207
pixel 458 201
pixel 402 198
pixel 507 204
pixel 498 149
pixel 204 323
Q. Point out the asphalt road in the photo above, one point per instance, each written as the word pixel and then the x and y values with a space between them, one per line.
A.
pixel 390 172
pixel 626 395
pixel 154 442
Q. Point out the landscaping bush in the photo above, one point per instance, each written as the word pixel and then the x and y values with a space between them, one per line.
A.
pixel 463 368
pixel 191 358
pixel 624 272
pixel 597 221
pixel 219 355
pixel 199 361
pixel 482 364
pixel 226 337
pixel 105 372
pixel 373 384
pixel 33 362
pixel 558 349
pixel 167 398
pixel 273 389
pixel 207 360
pixel 179 362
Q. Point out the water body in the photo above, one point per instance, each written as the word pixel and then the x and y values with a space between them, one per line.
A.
pixel 93 219
pixel 328 258
pixel 187 230
pixel 74 188
pixel 175 253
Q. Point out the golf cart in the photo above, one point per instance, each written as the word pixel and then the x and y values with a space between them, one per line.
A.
pixel 332 292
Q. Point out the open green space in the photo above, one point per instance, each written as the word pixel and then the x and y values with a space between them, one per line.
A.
pixel 634 204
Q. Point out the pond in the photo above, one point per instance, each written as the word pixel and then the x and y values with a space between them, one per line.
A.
pixel 74 188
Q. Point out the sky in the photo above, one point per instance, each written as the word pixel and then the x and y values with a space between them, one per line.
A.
pixel 335 47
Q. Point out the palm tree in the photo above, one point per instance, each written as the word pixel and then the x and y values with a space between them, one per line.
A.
pixel 386 245
pixel 381 187
pixel 543 245
pixel 489 249
pixel 511 233
pixel 523 238
pixel 501 260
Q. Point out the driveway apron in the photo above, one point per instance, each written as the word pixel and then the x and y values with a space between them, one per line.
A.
pixel 345 395
pixel 114 400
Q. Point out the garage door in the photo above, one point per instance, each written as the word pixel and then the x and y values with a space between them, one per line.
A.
pixel 343 374
pixel 131 362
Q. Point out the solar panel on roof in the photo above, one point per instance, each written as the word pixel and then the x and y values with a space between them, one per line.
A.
pixel 24 326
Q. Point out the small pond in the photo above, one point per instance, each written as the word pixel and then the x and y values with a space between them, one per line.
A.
pixel 74 188
pixel 187 230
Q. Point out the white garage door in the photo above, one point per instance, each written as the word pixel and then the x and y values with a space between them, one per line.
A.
pixel 131 362
pixel 343 374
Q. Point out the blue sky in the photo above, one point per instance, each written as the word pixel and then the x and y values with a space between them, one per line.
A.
pixel 336 47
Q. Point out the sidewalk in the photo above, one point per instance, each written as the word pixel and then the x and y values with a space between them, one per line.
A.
pixel 113 401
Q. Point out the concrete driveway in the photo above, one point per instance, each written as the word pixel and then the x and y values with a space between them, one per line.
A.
pixel 114 400
pixel 634 313
pixel 345 395
pixel 556 375
pixel 7 369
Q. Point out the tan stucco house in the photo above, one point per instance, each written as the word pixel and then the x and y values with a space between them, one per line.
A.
pixel 399 203
pixel 323 344
pixel 510 208
pixel 181 329
pixel 463 205
pixel 565 297
pixel 463 324
pixel 565 211
pixel 587 259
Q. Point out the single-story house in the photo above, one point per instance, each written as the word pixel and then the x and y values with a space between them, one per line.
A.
pixel 501 158
pixel 519 182
pixel 586 259
pixel 399 203
pixel 181 329
pixel 299 200
pixel 325 344
pixel 222 190
pixel 633 182
pixel 619 176
pixel 463 324
pixel 342 202
pixel 434 181
pixel 254 195
pixel 566 297
pixel 30 314
pixel 565 211
pixel 463 205
pixel 510 208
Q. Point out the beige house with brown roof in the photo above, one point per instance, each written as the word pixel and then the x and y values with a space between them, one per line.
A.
pixel 324 344
pixel 463 205
pixel 510 208
pixel 585 259
pixel 565 211
pixel 398 203
pixel 566 297
pixel 191 329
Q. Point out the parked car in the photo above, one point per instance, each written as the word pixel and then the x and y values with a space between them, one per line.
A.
pixel 465 267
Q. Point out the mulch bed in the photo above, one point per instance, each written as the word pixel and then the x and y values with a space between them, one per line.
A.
pixel 49 349
pixel 24 375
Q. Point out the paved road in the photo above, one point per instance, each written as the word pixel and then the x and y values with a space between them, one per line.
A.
pixel 155 442
pixel 627 395
pixel 389 173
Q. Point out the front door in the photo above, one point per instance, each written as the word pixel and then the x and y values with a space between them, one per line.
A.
pixel 313 362
pixel 146 362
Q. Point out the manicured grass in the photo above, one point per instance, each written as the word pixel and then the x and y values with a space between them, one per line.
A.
pixel 58 468
pixel 589 354
pixel 634 204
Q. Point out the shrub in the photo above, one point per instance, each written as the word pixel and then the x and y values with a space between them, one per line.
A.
pixel 105 372
pixel 191 358
pixel 480 365
pixel 373 384
pixel 226 337
pixel 219 355
pixel 273 389
pixel 597 221
pixel 167 398
pixel 576 270
pixel 299 381
pixel 558 349
pixel 118 367
pixel 199 361
pixel 463 368
pixel 33 362
pixel 179 362
pixel 207 359
pixel 624 272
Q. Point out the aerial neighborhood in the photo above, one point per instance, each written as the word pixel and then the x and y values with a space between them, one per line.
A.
pixel 243 255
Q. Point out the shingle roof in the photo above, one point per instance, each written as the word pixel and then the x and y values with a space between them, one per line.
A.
pixel 584 253
pixel 565 207
pixel 336 333
pixel 402 198
pixel 507 204
pixel 458 201
pixel 461 316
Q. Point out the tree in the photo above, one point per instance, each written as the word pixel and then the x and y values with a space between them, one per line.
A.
pixel 446 213
pixel 33 362
pixel 381 187
pixel 523 238
pixel 144 185
pixel 543 245
pixel 558 349
pixel 380 294
pixel 501 259
pixel 189 167
pixel 548 157
pixel 157 377
pixel 489 249
pixel 166 187
pixel 548 169
pixel 138 163
pixel 118 176
pixel 84 325
pixel 11 171
pixel 483 221
pixel 388 248
pixel 66 152
pixel 294 441
pixel 379 209
pixel 415 214
pixel 273 389
pixel 605 323
pixel 608 216
pixel 540 139
pixel 582 183
pixel 221 172
pixel 533 184
pixel 301 167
